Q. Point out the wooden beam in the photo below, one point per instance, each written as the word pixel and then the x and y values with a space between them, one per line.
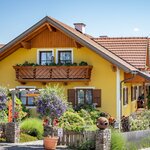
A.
pixel 77 45
pixel 26 45
pixel 50 27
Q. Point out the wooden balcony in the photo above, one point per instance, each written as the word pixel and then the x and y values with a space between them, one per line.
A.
pixel 52 73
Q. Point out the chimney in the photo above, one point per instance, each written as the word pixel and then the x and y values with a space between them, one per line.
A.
pixel 80 27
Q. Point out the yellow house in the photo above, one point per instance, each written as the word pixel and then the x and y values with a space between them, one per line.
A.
pixel 53 52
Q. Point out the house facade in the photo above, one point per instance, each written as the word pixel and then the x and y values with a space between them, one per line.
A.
pixel 51 52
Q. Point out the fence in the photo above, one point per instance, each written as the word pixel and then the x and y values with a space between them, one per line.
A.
pixel 136 135
pixel 74 139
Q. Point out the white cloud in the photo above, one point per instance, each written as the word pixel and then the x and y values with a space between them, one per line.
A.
pixel 136 29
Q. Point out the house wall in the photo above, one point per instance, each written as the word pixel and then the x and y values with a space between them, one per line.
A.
pixel 103 76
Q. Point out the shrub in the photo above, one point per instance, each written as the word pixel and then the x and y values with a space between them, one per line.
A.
pixel 27 138
pixel 87 145
pixel 33 127
pixel 72 121
pixel 86 116
pixel 3 116
pixel 140 121
pixel 117 141
pixel 95 114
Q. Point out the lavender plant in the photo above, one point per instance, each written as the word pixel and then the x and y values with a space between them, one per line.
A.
pixel 51 103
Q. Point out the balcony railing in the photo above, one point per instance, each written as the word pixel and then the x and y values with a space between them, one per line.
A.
pixel 52 73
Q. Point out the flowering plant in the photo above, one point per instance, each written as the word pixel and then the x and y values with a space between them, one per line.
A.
pixel 51 104
pixel 3 97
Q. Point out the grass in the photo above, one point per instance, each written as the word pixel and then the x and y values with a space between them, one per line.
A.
pixel 33 127
pixel 26 138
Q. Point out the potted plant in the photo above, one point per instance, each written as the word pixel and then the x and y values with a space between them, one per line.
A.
pixel 51 105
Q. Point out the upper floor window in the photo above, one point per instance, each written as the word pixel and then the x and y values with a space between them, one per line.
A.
pixel 45 57
pixel 64 56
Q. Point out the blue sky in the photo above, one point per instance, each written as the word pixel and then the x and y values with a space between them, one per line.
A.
pixel 102 17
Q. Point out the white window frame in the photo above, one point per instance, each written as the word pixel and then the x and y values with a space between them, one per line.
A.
pixel 43 49
pixel 64 49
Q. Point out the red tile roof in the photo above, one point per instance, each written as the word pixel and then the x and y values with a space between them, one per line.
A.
pixel 131 49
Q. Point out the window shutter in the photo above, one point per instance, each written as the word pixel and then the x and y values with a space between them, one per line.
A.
pixel 126 95
pixel 123 96
pixel 97 97
pixel 131 93
pixel 71 96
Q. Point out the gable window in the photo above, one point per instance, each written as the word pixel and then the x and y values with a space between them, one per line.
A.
pixel 84 96
pixel 45 57
pixel 64 56
pixel 125 96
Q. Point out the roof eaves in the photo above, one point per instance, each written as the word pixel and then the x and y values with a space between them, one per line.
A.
pixel 127 68
pixel 24 34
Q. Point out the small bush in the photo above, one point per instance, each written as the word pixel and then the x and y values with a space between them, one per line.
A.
pixel 117 141
pixel 33 127
pixel 87 145
pixel 26 138
pixel 72 121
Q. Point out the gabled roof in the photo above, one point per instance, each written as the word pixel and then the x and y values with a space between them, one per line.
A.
pixel 1 45
pixel 77 36
pixel 131 49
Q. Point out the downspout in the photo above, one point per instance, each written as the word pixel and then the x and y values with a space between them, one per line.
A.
pixel 128 79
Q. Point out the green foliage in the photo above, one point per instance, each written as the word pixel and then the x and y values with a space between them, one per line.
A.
pixel 87 145
pixel 72 121
pixel 3 116
pixel 33 127
pixel 19 113
pixel 117 141
pixel 95 114
pixel 148 101
pixel 86 116
pixel 56 89
pixel 83 63
pixel 141 121
pixel 143 143
pixel 27 138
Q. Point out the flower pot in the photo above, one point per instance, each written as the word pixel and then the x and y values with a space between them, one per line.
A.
pixel 50 143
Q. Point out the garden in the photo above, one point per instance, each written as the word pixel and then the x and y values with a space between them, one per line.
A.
pixel 54 112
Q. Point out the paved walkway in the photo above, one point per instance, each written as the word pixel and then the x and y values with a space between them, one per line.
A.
pixel 27 146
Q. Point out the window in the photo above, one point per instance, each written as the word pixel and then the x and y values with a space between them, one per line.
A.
pixel 45 57
pixel 134 93
pixel 125 96
pixel 84 96
pixel 64 56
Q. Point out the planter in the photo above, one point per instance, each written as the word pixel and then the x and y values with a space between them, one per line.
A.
pixel 50 143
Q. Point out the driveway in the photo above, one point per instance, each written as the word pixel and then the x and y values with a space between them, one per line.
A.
pixel 27 146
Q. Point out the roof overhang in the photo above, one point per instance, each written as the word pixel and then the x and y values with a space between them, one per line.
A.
pixel 77 36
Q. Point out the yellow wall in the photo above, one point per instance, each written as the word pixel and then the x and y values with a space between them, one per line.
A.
pixel 132 105
pixel 102 75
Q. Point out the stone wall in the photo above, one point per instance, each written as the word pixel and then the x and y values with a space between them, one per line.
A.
pixel 12 132
pixel 2 130
pixel 103 139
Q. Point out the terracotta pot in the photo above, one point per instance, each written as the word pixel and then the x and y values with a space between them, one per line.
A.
pixel 50 143
pixel 102 123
